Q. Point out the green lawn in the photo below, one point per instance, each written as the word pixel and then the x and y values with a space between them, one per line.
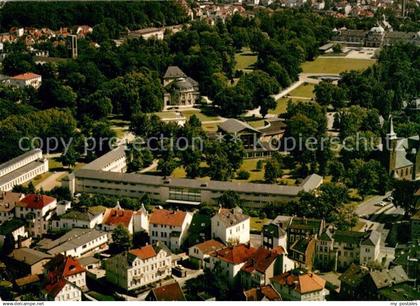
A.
pixel 54 164
pixel 306 90
pixel 257 123
pixel 250 165
pixel 203 117
pixel 335 65
pixel 245 59
pixel 166 115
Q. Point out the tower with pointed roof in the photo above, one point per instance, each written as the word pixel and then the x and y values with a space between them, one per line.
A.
pixel 390 147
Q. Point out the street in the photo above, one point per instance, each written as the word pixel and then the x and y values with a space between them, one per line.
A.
pixel 368 207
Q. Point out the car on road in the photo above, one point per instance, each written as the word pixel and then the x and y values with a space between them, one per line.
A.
pixel 380 204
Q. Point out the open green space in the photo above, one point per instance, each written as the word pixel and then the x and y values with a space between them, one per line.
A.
pixel 245 60
pixel 306 91
pixel 200 115
pixel 335 65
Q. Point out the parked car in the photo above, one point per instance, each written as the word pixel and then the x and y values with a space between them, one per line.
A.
pixel 380 204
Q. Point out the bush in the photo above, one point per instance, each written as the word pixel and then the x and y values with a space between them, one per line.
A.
pixel 243 175
pixel 260 165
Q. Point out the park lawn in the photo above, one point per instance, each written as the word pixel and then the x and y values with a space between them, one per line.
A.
pixel 335 65
pixel 281 107
pixel 203 117
pixel 245 59
pixel 256 223
pixel 255 175
pixel 306 91
pixel 209 127
pixel 167 115
pixel 54 164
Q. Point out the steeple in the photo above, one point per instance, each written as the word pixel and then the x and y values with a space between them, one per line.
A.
pixel 391 134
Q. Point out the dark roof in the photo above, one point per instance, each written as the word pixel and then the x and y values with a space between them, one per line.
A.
pixel 388 277
pixel 231 217
pixel 174 72
pixel 273 230
pixel 28 256
pixel 233 126
pixel 354 275
pixel 11 225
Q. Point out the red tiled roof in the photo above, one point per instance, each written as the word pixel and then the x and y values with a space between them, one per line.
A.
pixel 305 283
pixel 145 252
pixel 35 201
pixel 54 288
pixel 25 76
pixel 115 216
pixel 61 267
pixel 235 254
pixel 171 292
pixel 167 217
pixel 209 246
pixel 257 294
pixel 261 260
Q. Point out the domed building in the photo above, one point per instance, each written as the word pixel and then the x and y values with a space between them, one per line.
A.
pixel 181 91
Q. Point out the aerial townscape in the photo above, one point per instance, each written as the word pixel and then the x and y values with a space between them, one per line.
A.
pixel 258 150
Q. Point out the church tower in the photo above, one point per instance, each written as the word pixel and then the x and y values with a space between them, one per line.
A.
pixel 390 147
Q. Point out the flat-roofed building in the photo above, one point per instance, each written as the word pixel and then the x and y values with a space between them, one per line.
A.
pixel 22 169
pixel 184 191
pixel 78 242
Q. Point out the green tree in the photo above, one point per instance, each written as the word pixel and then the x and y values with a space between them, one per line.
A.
pixel 121 239
pixel 229 199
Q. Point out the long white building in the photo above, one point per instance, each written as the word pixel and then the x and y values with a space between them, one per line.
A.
pixel 22 169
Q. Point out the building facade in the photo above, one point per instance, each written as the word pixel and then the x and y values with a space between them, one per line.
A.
pixel 231 226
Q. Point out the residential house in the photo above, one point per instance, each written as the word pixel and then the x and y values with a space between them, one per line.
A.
pixel 79 218
pixel 338 249
pixel 37 210
pixel 298 286
pixel 68 268
pixel 201 252
pixel 77 243
pixel 226 263
pixel 299 227
pixel 62 291
pixel 302 251
pixel 262 266
pixel 181 91
pixel 170 292
pixel 26 79
pixel 8 202
pixel 273 235
pixel 29 261
pixel 357 282
pixel 170 227
pixel 263 293
pixel 141 220
pixel 15 230
pixel 113 217
pixel 231 226
pixel 139 267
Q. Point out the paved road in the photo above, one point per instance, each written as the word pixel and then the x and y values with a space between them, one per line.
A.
pixel 368 207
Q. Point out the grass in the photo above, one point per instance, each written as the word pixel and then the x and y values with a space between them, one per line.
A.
pixel 257 123
pixel 203 117
pixel 335 65
pixel 257 223
pixel 39 178
pixel 119 132
pixel 281 107
pixel 255 175
pixel 209 127
pixel 166 115
pixel 245 60
pixel 54 164
pixel 306 90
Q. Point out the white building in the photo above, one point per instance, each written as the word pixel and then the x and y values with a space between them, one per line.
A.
pixel 22 169
pixel 202 251
pixel 337 250
pixel 76 243
pixel 84 218
pixel 68 268
pixel 226 263
pixel 113 161
pixel 231 226
pixel 147 33
pixel 298 286
pixel 169 227
pixel 37 210
pixel 62 291
pixel 26 79
pixel 8 202
pixel 139 267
